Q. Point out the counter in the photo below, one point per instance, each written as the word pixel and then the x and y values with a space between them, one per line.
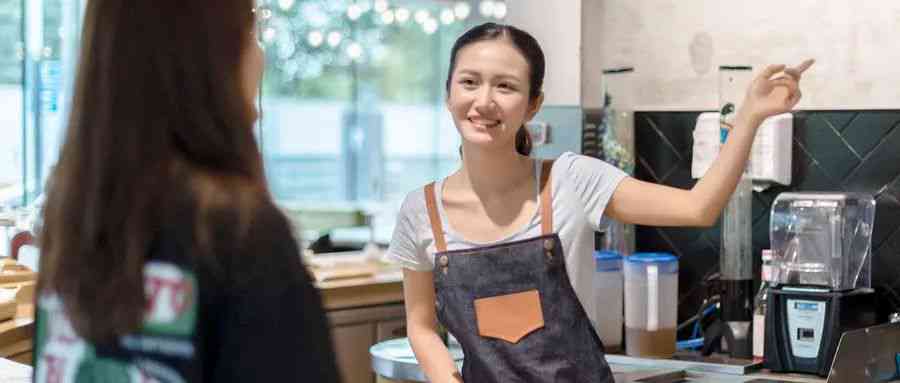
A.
pixel 16 334
pixel 363 299
pixel 355 279
pixel 394 360
pixel 14 372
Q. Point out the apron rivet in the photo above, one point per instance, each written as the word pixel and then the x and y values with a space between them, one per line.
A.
pixel 444 260
pixel 548 244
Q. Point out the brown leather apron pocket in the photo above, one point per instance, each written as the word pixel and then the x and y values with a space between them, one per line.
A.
pixel 509 317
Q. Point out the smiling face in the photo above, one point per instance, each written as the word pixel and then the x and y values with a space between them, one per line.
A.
pixel 489 95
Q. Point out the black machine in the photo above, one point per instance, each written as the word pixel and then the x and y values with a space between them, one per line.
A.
pixel 822 264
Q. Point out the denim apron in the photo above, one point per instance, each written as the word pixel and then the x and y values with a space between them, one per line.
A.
pixel 512 308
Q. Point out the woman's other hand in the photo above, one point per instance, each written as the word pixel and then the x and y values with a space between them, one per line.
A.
pixel 774 91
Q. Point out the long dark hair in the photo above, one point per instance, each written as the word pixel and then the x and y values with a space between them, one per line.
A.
pixel 530 49
pixel 158 110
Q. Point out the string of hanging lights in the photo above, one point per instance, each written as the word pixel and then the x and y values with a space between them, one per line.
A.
pixel 340 32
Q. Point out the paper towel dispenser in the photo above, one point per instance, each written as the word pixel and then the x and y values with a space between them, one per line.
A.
pixel 770 161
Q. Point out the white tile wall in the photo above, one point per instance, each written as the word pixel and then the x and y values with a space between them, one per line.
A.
pixel 676 47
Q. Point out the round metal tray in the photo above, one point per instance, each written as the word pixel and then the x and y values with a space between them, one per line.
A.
pixel 394 359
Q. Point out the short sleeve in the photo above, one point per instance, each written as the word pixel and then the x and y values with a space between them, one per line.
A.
pixel 594 182
pixel 407 248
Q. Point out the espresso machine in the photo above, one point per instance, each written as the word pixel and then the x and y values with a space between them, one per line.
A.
pixel 821 244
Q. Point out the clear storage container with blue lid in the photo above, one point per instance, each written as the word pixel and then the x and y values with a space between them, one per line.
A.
pixel 651 304
pixel 607 260
pixel 666 262
pixel 608 306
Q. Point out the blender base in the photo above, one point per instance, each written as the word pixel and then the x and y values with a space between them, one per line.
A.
pixel 805 324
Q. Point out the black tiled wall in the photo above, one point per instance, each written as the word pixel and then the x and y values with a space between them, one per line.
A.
pixel 833 151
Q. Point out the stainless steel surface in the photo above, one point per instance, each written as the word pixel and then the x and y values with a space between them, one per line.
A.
pixel 394 360
pixel 868 355
pixel 741 330
pixel 623 374
pixel 720 365
pixel 743 346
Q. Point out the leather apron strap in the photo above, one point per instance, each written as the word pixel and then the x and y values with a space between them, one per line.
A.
pixel 437 229
pixel 546 198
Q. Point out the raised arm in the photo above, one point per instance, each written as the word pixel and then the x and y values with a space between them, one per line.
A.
pixel 774 91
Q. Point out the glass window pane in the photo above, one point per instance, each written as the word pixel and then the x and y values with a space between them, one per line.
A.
pixel 11 53
pixel 353 99
pixel 306 91
pixel 51 49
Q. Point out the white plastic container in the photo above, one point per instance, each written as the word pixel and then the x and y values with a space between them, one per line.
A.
pixel 609 284
pixel 651 304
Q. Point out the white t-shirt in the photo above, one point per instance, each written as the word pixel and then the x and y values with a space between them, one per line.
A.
pixel 582 187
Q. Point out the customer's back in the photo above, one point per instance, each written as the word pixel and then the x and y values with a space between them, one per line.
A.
pixel 162 255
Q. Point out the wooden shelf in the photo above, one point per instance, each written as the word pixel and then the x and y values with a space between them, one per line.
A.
pixel 16 334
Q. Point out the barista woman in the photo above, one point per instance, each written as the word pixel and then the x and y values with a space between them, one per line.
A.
pixel 500 250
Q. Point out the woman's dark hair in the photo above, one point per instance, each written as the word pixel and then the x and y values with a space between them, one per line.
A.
pixel 159 114
pixel 530 49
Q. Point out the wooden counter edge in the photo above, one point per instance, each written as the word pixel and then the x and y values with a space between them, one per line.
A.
pixel 358 292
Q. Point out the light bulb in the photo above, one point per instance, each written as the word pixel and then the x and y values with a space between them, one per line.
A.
pixel 354 51
pixel 447 17
pixel 268 35
pixel 380 6
pixel 421 15
pixel 315 38
pixel 334 38
pixel 462 10
pixel 354 11
pixel 401 14
pixel 500 9
pixel 285 4
pixel 387 17
pixel 486 8
pixel 430 26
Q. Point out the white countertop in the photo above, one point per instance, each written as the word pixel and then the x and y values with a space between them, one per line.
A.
pixel 13 372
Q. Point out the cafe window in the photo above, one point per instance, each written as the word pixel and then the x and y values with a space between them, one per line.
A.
pixel 353 96
pixel 352 99
pixel 38 50
pixel 11 54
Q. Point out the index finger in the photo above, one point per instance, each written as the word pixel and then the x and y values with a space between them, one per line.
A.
pixel 799 69
pixel 805 65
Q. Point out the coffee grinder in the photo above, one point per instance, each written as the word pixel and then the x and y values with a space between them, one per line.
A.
pixel 821 246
